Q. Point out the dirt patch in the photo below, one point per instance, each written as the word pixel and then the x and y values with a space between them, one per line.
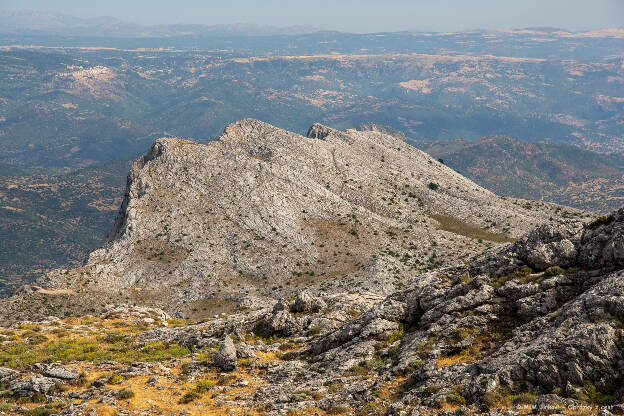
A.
pixel 54 291
pixel 343 247
pixel 457 226
pixel 204 309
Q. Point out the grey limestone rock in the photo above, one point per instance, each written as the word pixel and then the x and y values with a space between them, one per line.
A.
pixel 306 302
pixel 37 384
pixel 7 374
pixel 225 358
pixel 549 246
pixel 269 204
pixel 61 373
pixel 244 350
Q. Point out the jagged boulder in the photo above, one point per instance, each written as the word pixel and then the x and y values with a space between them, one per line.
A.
pixel 7 374
pixel 602 244
pixel 244 350
pixel 61 373
pixel 37 384
pixel 318 131
pixel 225 358
pixel 282 322
pixel 306 302
pixel 549 246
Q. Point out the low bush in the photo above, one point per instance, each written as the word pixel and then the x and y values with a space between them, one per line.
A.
pixel 554 271
pixel 599 222
pixel 189 397
pixel 125 394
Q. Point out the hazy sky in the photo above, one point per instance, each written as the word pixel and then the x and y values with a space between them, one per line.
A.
pixel 350 15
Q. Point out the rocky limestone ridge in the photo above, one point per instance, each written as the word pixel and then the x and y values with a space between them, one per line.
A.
pixel 263 212
pixel 534 326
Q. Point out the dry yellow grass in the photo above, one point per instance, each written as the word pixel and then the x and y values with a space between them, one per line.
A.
pixel 454 359
pixel 457 226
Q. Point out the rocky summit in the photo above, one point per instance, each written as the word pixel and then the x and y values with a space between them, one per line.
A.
pixel 263 212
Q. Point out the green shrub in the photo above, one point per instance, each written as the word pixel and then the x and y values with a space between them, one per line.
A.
pixel 176 323
pixel 396 334
pixel 116 379
pixel 35 338
pixel 456 399
pixel 337 410
pixel 188 397
pixel 494 399
pixel 591 394
pixel 431 390
pixel 415 365
pixel 520 275
pixel 357 370
pixel 204 386
pixel 114 338
pixel 35 398
pixel 523 399
pixel 554 271
pixel 39 411
pixel 599 222
pixel 314 331
pixel 125 394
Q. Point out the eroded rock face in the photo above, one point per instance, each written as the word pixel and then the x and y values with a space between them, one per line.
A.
pixel 604 245
pixel 549 246
pixel 333 211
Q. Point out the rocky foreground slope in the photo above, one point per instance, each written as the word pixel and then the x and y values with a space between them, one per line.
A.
pixel 532 327
pixel 538 323
pixel 262 212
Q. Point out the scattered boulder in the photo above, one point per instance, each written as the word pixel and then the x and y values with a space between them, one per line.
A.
pixel 225 358
pixel 549 246
pixel 7 374
pixel 305 302
pixel 282 321
pixel 602 244
pixel 244 350
pixel 37 384
pixel 61 373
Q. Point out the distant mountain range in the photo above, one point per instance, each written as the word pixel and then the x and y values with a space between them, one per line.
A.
pixel 69 107
pixel 32 22
pixel 84 101
pixel 554 172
